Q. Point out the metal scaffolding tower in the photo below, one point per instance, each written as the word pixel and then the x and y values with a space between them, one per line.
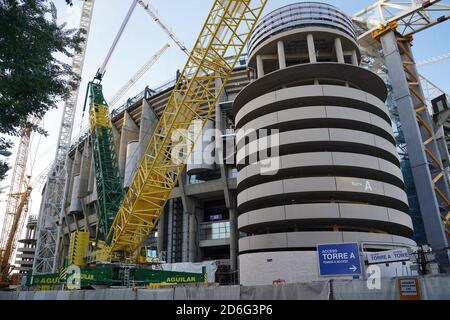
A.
pixel 48 223
pixel 17 199
pixel 388 27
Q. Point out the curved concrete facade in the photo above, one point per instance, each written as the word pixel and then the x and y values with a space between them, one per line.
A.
pixel 315 148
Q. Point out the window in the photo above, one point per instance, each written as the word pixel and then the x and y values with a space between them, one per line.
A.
pixel 215 230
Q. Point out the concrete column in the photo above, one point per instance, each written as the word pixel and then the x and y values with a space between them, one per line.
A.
pixel 186 241
pixel 69 165
pixel 311 48
pixel 91 176
pixel 259 66
pixel 170 231
pixel 161 232
pixel 76 163
pixel 189 246
pixel 281 55
pixel 73 172
pixel 339 51
pixel 85 170
pixel 423 180
pixel 192 236
pixel 355 58
pixel 234 235
pixel 116 135
pixel 148 124
pixel 130 131
pixel 229 197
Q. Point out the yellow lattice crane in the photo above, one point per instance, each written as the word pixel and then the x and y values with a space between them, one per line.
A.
pixel 212 60
pixel 15 213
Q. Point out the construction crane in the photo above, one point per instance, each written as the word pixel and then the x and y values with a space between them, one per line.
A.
pixel 225 33
pixel 434 60
pixel 8 252
pixel 217 50
pixel 157 18
pixel 138 75
pixel 18 219
pixel 18 195
pixel 389 26
pixel 48 228
pixel 109 186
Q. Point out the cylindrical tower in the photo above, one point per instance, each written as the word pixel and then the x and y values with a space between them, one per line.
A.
pixel 332 174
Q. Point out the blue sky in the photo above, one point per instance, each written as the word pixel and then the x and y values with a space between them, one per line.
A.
pixel 142 38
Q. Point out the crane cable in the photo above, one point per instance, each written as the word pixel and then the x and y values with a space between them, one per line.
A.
pixel 116 40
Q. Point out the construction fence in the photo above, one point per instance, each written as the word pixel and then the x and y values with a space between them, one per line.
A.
pixel 435 287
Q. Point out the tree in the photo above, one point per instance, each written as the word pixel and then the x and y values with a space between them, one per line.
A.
pixel 4 167
pixel 33 79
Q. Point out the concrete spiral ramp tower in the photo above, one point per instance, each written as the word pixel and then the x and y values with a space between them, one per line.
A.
pixel 335 176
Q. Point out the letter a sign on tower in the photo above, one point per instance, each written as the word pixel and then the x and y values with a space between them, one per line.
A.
pixel 339 259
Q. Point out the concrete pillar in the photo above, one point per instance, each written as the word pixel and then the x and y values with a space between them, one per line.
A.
pixel 169 231
pixel 234 235
pixel 281 55
pixel 69 165
pixel 161 232
pixel 311 48
pixel 116 135
pixel 76 163
pixel 186 241
pixel 229 197
pixel 130 131
pixel 149 120
pixel 339 51
pixel 423 180
pixel 91 176
pixel 259 66
pixel 192 237
pixel 355 58
pixel 85 169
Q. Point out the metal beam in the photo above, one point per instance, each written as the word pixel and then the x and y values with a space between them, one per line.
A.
pixel 48 228
pixel 426 164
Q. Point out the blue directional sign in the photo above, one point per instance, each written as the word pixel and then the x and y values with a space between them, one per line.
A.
pixel 339 259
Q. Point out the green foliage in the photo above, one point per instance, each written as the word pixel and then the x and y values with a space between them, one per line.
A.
pixel 4 167
pixel 33 79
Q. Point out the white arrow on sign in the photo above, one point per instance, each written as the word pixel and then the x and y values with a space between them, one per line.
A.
pixel 353 268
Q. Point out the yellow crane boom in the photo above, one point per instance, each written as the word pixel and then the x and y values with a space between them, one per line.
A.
pixel 17 200
pixel 224 34
pixel 8 252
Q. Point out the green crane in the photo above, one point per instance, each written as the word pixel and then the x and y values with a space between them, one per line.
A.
pixel 109 185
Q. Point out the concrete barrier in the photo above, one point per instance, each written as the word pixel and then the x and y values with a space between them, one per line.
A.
pixel 431 287
pixel 120 294
pixel 435 287
pixel 9 295
pixel 293 291
pixel 155 294
pixel 358 290
pixel 223 293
